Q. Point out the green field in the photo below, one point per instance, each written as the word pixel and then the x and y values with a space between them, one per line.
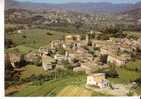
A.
pixel 52 87
pixel 74 91
pixel 22 49
pixel 125 76
pixel 35 38
pixel 60 87
pixel 134 65
pixel 72 85
pixel 32 70
pixel 133 34
pixel 138 90
pixel 129 74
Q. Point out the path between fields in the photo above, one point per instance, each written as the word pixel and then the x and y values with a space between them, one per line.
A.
pixel 119 90
pixel 14 88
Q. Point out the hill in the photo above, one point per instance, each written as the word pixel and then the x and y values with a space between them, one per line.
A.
pixel 79 7
pixel 135 12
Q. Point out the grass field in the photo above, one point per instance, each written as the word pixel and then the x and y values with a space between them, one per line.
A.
pixel 138 90
pixel 52 87
pixel 74 91
pixel 32 70
pixel 22 49
pixel 133 34
pixel 125 76
pixel 35 38
pixel 128 73
pixel 134 65
pixel 68 86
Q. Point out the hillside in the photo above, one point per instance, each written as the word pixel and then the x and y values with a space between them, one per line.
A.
pixel 58 49
pixel 136 13
pixel 79 7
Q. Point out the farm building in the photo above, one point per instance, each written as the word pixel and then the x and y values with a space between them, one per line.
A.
pixel 117 60
pixel 97 80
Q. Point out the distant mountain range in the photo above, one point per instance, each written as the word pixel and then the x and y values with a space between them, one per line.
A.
pixel 79 7
pixel 135 13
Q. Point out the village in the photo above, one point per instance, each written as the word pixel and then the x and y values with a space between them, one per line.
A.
pixel 82 49
pixel 88 54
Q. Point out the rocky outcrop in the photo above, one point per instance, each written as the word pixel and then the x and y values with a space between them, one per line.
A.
pixel 15 59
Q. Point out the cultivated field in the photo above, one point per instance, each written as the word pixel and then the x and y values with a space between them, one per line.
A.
pixel 74 91
pixel 68 86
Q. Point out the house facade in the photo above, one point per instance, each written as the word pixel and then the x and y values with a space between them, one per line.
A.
pixel 47 62
pixel 97 80
pixel 116 60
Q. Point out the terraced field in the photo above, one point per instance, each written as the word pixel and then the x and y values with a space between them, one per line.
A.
pixel 51 88
pixel 68 86
pixel 74 91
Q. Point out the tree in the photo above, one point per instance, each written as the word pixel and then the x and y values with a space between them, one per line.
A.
pixel 9 43
pixel 78 25
pixel 112 72
pixel 24 36
pixel 138 81
pixel 68 65
pixel 113 32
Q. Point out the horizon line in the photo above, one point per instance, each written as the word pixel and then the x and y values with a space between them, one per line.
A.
pixel 75 2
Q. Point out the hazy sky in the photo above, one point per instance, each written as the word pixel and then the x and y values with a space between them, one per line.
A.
pixel 68 1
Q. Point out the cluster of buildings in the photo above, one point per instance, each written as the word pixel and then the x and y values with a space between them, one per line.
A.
pixel 88 54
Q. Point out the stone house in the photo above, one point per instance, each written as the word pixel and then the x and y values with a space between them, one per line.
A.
pixel 110 49
pixel 97 80
pixel 43 51
pixel 72 42
pixel 56 44
pixel 47 62
pixel 89 66
pixel 117 60
pixel 72 38
pixel 128 45
pixel 59 58
pixel 78 69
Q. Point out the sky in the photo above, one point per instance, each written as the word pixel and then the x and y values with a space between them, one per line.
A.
pixel 81 1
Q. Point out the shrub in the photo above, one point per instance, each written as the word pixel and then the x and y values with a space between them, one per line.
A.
pixel 67 65
pixel 130 93
pixel 50 34
pixel 112 72
pixel 24 36
pixel 138 81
